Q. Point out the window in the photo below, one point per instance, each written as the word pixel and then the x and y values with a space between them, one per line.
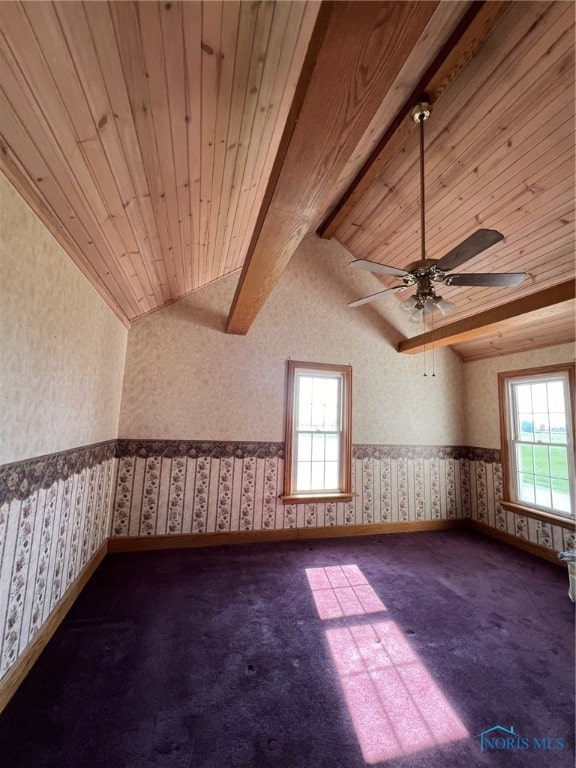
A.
pixel 318 432
pixel 537 421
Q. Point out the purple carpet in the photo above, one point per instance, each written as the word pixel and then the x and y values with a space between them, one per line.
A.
pixel 388 650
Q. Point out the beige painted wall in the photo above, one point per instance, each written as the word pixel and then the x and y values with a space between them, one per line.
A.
pixel 62 350
pixel 186 379
pixel 481 381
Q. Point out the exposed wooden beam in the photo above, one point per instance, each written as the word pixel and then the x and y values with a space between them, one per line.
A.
pixel 463 43
pixel 492 320
pixel 339 96
pixel 239 322
pixel 543 328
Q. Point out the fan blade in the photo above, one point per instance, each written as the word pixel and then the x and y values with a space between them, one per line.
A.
pixel 472 246
pixel 378 269
pixel 494 279
pixel 374 296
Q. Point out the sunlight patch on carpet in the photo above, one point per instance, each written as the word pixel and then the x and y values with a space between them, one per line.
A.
pixel 342 590
pixel 395 705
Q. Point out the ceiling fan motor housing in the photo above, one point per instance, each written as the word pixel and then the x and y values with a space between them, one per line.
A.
pixel 423 271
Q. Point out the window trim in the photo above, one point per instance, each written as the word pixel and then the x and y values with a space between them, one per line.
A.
pixel 508 501
pixel 290 496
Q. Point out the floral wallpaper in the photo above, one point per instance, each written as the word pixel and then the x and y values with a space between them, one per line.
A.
pixel 175 487
pixel 54 515
pixel 167 487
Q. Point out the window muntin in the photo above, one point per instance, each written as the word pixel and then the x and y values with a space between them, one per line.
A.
pixel 318 430
pixel 538 439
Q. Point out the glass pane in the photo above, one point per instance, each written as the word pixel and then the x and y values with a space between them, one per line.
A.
pixel 555 393
pixel 304 446
pixel 559 462
pixel 326 389
pixel 317 447
pixel 526 487
pixel 332 447
pixel 330 397
pixel 523 398
pixel 524 458
pixel 325 403
pixel 317 415
pixel 317 475
pixel 542 485
pixel 526 427
pixel 304 416
pixel 560 485
pixel 303 476
pixel 304 402
pixel 539 398
pixel 331 480
pixel 541 463
pixel 305 389
pixel 541 427
pixel 561 496
pixel 558 428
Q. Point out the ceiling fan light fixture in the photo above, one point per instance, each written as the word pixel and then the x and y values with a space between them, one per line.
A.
pixel 408 305
pixel 417 314
pixel 445 307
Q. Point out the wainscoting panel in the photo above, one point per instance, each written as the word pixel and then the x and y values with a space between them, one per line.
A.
pixel 53 518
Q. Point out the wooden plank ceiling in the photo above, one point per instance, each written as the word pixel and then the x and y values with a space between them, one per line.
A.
pixel 168 144
pixel 144 133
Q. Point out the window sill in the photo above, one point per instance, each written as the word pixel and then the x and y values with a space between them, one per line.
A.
pixel 311 498
pixel 539 514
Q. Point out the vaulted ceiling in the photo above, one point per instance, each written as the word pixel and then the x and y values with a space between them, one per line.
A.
pixel 168 144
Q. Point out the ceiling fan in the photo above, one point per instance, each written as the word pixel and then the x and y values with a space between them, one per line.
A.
pixel 424 273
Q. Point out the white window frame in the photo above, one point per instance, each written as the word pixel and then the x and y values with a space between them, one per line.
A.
pixel 296 370
pixel 509 439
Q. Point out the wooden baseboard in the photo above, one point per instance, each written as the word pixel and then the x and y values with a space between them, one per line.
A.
pixel 185 540
pixel 16 674
pixel 534 549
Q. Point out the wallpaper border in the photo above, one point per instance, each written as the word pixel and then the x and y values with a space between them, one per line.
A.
pixel 194 449
pixel 219 449
pixel 457 452
pixel 20 479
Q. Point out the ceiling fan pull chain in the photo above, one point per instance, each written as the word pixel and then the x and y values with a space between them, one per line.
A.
pixel 433 350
